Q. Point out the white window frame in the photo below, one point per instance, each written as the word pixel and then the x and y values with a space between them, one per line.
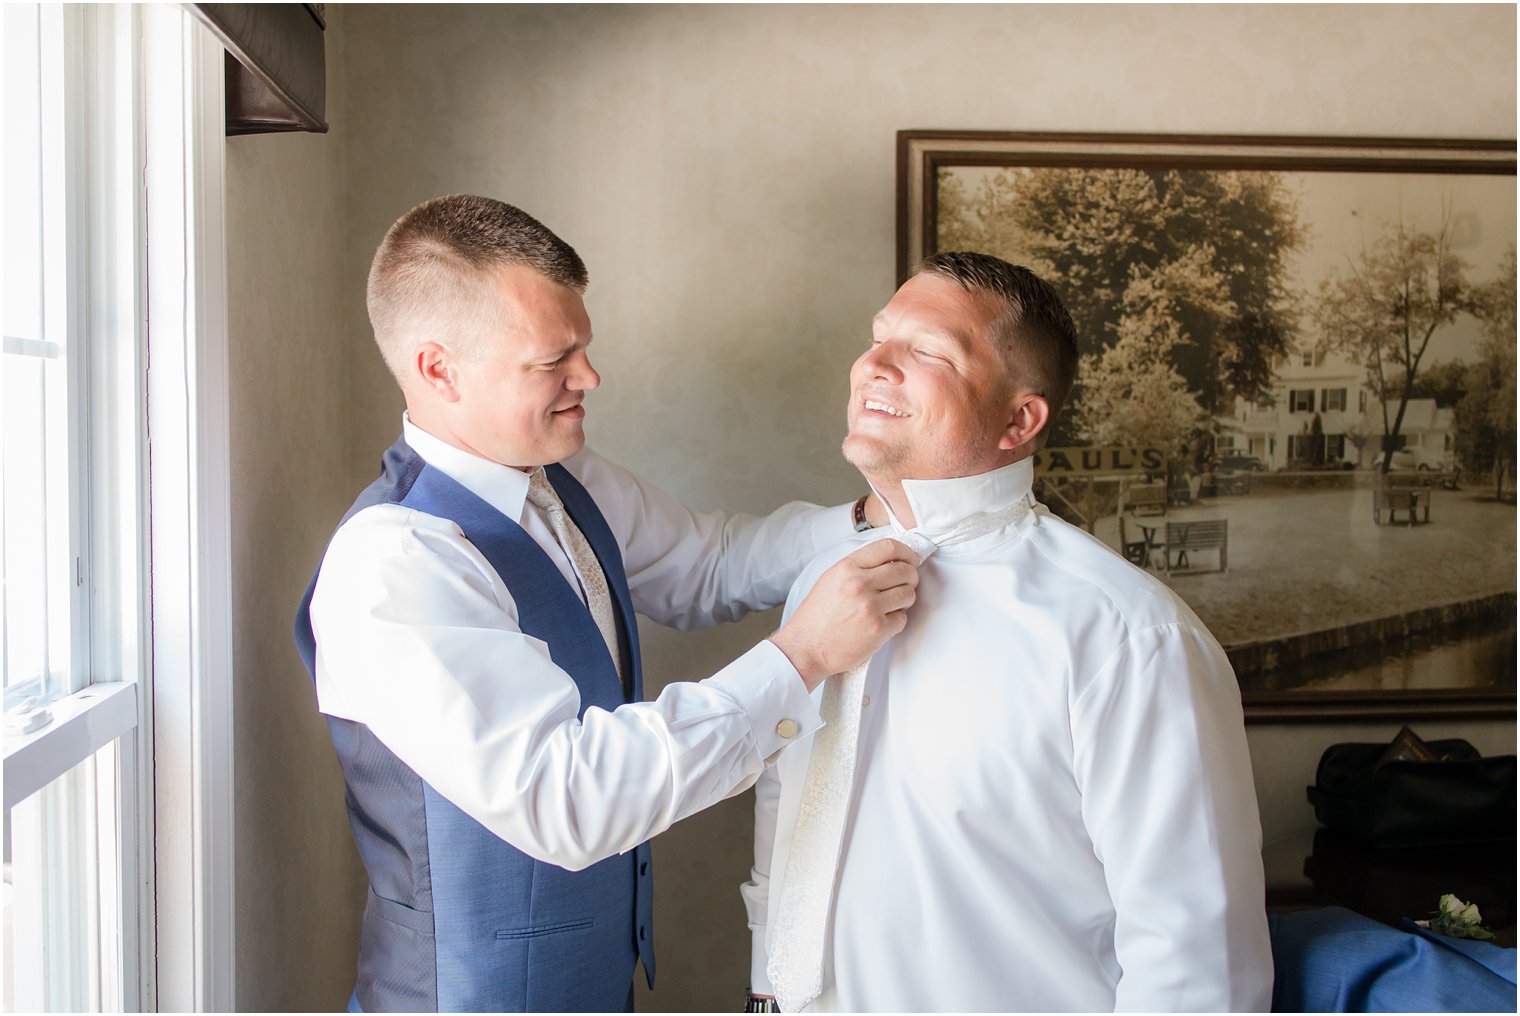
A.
pixel 190 484
pixel 90 237
pixel 166 694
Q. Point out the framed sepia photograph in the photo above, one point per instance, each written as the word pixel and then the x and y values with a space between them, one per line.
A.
pixel 1296 403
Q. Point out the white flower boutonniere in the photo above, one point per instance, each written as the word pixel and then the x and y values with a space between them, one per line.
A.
pixel 1457 919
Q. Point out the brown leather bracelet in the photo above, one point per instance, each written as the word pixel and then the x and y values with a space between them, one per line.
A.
pixel 861 522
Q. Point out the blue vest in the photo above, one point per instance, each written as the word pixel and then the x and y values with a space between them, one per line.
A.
pixel 458 920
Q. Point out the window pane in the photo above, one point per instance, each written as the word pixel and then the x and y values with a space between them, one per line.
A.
pixel 61 892
pixel 25 560
pixel 23 173
pixel 35 551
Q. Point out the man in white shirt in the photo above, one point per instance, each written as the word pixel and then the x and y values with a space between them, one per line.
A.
pixel 472 639
pixel 1047 803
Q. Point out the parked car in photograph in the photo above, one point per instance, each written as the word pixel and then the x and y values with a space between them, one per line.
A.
pixel 1405 459
pixel 1243 463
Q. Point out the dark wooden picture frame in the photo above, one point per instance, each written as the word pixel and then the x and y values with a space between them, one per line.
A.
pixel 1235 297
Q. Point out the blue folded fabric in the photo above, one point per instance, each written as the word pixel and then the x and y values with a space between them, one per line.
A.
pixel 1334 960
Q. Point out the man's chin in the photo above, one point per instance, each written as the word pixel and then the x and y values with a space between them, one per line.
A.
pixel 866 455
pixel 566 446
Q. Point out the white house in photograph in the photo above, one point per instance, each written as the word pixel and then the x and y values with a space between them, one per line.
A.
pixel 1281 431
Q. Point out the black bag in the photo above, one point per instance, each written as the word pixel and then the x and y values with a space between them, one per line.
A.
pixel 1464 798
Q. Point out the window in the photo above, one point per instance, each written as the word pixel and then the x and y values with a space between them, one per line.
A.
pixel 109 113
pixel 1301 400
pixel 1316 449
pixel 1306 358
pixel 71 520
pixel 1332 399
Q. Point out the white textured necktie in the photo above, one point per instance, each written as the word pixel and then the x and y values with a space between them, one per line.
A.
pixel 593 581
pixel 799 938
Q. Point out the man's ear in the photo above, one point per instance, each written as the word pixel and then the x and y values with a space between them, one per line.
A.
pixel 1030 415
pixel 433 367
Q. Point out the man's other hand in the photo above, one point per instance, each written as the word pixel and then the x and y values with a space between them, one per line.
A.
pixel 854 608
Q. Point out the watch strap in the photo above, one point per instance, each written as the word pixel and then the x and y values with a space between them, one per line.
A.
pixel 859 515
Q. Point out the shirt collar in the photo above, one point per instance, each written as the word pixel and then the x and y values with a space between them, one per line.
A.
pixel 938 505
pixel 501 487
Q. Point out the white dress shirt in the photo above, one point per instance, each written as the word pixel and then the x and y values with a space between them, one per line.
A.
pixel 418 638
pixel 1053 806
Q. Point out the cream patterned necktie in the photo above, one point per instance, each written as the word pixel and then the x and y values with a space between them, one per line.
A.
pixel 795 967
pixel 593 581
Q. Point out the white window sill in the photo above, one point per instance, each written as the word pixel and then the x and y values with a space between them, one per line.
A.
pixel 83 723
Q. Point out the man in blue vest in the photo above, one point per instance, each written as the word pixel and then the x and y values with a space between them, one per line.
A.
pixel 471 633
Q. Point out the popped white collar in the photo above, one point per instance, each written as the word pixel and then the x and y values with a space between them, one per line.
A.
pixel 940 505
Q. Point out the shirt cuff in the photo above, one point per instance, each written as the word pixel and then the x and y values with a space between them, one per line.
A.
pixel 772 696
pixel 836 523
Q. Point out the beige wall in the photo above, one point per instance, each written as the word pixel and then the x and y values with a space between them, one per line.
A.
pixel 299 885
pixel 728 174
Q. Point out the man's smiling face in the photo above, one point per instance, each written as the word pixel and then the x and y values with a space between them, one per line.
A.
pixel 932 397
pixel 520 395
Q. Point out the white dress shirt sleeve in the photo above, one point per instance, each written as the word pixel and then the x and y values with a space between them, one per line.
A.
pixel 687 569
pixel 1168 801
pixel 419 639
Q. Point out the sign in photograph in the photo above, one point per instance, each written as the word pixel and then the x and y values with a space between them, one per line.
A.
pixel 1059 462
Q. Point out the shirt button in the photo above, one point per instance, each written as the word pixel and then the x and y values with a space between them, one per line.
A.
pixel 787 729
pixel 865 701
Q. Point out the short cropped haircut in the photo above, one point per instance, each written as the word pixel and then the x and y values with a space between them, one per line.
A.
pixel 1035 331
pixel 430 280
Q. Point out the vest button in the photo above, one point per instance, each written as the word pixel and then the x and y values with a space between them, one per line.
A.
pixel 644 868
pixel 787 729
pixel 641 933
pixel 865 701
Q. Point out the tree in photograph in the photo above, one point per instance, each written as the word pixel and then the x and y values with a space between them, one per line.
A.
pixel 1131 392
pixel 1383 308
pixel 1444 382
pixel 982 218
pixel 1314 454
pixel 1224 236
pixel 1485 414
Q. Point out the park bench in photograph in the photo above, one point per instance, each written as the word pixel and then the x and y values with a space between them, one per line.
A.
pixel 1409 500
pixel 1191 538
